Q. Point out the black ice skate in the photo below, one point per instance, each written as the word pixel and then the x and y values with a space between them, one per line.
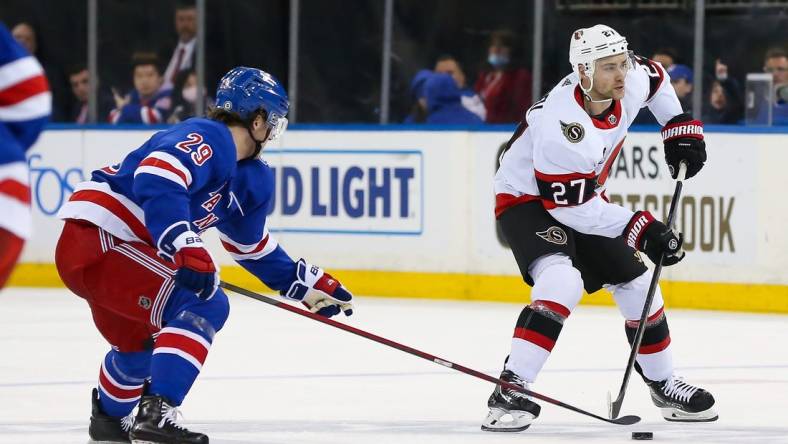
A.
pixel 107 429
pixel 504 401
pixel 680 401
pixel 156 424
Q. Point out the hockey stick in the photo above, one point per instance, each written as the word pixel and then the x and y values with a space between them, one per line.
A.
pixel 614 407
pixel 624 420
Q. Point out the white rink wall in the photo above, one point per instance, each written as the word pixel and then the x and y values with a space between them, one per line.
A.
pixel 422 200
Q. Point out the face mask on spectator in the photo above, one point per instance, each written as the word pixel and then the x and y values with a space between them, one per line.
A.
pixel 497 60
pixel 189 94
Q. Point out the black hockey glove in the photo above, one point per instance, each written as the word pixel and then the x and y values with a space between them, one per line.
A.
pixel 646 234
pixel 683 139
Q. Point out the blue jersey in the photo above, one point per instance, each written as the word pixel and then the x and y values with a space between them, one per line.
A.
pixel 25 105
pixel 149 111
pixel 188 174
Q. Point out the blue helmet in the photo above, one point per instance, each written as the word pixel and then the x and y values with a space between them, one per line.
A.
pixel 245 91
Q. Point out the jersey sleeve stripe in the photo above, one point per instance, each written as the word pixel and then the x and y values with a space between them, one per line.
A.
pixel 161 169
pixel 23 90
pixel 16 217
pixel 166 166
pixel 241 252
pixel 248 249
pixel 39 105
pixel 174 162
pixel 15 190
pixel 19 70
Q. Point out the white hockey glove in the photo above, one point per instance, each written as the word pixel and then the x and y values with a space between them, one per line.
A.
pixel 319 291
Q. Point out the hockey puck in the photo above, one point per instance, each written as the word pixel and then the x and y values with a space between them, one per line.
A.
pixel 642 436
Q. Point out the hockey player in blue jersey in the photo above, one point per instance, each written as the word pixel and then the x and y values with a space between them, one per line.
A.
pixel 131 247
pixel 25 105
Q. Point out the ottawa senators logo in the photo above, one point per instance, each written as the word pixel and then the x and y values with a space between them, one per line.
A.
pixel 553 235
pixel 573 132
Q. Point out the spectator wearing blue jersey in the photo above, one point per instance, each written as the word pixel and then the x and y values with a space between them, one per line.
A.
pixel 471 101
pixel 147 103
pixel 418 112
pixel 441 96
pixel 444 102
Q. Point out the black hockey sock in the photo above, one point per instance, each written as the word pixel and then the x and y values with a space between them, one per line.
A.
pixel 656 336
pixel 540 323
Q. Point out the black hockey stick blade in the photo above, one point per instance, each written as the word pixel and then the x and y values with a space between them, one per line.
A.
pixel 626 420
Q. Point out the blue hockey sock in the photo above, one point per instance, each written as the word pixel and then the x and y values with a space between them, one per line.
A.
pixel 178 355
pixel 121 379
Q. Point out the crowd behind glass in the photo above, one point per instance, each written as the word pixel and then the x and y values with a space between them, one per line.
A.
pixel 491 86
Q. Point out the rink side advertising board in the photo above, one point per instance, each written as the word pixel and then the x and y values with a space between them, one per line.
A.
pixel 410 213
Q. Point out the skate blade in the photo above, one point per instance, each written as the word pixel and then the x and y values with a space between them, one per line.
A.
pixel 520 421
pixel 94 441
pixel 676 415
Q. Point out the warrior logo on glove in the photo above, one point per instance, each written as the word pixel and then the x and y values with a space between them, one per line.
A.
pixel 683 139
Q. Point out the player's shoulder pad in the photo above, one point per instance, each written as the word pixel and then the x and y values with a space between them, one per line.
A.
pixel 647 75
pixel 253 183
pixel 565 138
pixel 537 109
pixel 201 140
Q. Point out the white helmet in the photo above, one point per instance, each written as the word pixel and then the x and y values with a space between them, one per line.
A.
pixel 588 45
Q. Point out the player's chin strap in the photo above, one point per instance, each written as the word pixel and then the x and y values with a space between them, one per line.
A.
pixel 258 144
pixel 587 92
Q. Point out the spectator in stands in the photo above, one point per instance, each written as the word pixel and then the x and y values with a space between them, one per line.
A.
pixel 681 79
pixel 665 56
pixel 184 97
pixel 725 99
pixel 504 87
pixel 25 35
pixel 776 62
pixel 444 102
pixel 79 79
pixel 148 102
pixel 182 58
pixel 418 113
pixel 447 64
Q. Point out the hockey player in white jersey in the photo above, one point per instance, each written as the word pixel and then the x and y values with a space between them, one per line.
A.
pixel 566 236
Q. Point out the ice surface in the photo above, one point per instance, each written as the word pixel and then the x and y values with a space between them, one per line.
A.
pixel 273 377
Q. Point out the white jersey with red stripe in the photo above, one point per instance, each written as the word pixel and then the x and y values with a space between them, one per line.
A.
pixel 25 105
pixel 562 157
pixel 188 177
